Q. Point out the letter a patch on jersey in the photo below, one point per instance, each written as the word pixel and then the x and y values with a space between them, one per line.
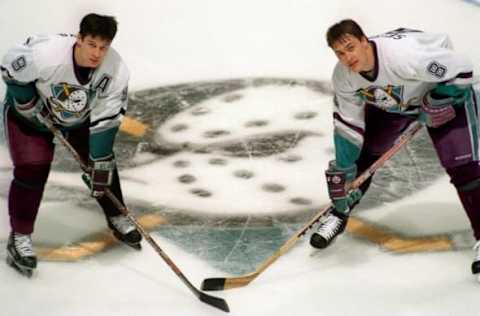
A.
pixel 103 84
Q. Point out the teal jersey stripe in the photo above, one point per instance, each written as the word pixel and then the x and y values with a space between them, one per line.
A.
pixel 346 152
pixel 473 123
pixel 22 93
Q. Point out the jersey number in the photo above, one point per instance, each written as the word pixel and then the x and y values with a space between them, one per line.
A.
pixel 436 69
pixel 19 63
pixel 399 33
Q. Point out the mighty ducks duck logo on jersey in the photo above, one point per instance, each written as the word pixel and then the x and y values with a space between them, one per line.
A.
pixel 70 103
pixel 389 98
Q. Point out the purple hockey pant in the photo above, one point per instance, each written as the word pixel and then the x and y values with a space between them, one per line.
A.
pixel 453 143
pixel 32 154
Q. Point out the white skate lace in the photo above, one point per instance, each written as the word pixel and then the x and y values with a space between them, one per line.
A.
pixel 329 226
pixel 122 224
pixel 477 249
pixel 23 245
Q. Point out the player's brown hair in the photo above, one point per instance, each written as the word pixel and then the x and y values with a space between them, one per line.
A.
pixel 103 26
pixel 345 27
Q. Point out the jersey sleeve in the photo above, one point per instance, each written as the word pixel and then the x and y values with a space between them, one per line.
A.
pixel 19 72
pixel 107 114
pixel 348 121
pixel 434 60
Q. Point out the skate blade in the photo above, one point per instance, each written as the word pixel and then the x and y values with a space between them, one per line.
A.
pixel 135 246
pixel 23 271
pixel 118 237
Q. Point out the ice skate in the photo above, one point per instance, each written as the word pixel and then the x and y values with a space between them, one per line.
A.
pixel 331 225
pixel 125 231
pixel 20 254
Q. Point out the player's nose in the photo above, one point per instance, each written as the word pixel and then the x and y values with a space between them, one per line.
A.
pixel 97 53
pixel 349 57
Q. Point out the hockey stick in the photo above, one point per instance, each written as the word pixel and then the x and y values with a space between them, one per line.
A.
pixel 208 299
pixel 216 284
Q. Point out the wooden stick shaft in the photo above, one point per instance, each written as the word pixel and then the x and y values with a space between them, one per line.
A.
pixel 226 283
pixel 217 302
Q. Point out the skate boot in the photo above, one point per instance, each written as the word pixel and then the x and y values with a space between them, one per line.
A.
pixel 476 261
pixel 20 254
pixel 124 230
pixel 331 225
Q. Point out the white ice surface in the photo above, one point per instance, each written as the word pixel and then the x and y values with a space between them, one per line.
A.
pixel 173 41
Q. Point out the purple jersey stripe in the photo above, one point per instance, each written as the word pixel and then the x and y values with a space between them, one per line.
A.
pixel 337 117
pixel 465 75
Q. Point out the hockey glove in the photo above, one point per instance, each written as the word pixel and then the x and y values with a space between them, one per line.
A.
pixel 100 176
pixel 337 181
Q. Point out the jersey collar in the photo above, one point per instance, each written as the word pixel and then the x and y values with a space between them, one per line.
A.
pixel 372 75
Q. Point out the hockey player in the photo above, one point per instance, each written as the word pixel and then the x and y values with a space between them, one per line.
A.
pixel 381 85
pixel 80 84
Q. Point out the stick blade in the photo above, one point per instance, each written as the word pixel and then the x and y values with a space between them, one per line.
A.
pixel 217 302
pixel 218 284
pixel 213 284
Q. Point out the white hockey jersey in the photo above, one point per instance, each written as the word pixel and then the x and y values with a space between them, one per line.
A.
pixel 408 64
pixel 48 62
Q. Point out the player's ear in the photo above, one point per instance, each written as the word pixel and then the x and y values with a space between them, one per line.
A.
pixel 79 39
pixel 364 41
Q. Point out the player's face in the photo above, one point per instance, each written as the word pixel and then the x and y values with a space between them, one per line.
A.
pixel 90 51
pixel 354 53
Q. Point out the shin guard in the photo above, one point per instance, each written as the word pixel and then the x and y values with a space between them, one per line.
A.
pixel 466 179
pixel 26 191
pixel 470 199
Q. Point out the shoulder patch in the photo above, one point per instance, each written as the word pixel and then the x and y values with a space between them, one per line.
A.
pixel 124 94
pixel 19 63
pixel 436 69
